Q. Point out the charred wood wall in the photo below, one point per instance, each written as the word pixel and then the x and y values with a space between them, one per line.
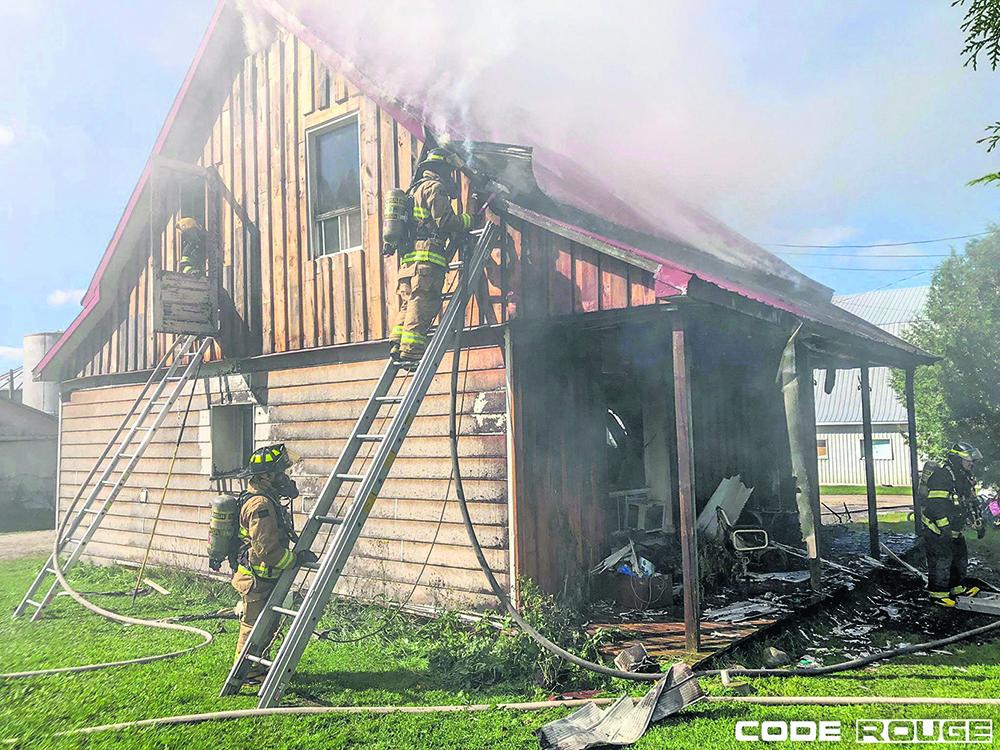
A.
pixel 560 465
pixel 313 410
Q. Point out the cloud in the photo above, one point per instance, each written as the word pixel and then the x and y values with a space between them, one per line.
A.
pixel 60 297
pixel 11 352
pixel 6 135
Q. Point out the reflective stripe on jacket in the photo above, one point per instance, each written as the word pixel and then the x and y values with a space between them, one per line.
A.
pixel 265 538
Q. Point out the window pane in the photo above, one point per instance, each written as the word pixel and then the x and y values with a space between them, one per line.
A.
pixel 821 449
pixel 337 182
pixel 353 229
pixel 330 240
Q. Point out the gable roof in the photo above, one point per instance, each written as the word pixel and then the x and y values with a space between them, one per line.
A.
pixel 890 309
pixel 682 244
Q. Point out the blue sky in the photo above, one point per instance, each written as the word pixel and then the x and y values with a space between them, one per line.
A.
pixel 855 123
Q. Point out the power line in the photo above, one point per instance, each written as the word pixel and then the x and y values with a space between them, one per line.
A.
pixel 883 244
pixel 866 255
pixel 899 281
pixel 856 269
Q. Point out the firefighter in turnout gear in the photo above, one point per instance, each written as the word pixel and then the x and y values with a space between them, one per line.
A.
pixel 193 240
pixel 949 505
pixel 265 534
pixel 438 231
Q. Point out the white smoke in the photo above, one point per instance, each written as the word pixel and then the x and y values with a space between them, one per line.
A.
pixel 653 94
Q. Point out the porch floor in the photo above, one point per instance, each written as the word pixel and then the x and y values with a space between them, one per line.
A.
pixel 664 638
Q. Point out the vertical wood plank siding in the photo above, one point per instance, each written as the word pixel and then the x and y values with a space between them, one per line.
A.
pixel 284 299
pixel 312 410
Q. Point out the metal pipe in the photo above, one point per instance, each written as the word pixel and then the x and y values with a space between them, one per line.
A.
pixel 911 439
pixel 866 420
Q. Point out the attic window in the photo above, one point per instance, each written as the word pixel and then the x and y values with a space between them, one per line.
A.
pixel 333 154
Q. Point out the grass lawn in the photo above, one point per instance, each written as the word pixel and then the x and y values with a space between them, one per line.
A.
pixel 859 489
pixel 411 664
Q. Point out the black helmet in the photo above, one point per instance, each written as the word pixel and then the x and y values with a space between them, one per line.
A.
pixel 438 160
pixel 271 459
pixel 962 451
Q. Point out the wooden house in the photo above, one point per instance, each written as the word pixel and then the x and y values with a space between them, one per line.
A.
pixel 622 367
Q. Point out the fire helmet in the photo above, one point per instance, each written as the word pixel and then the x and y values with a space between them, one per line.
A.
pixel 962 451
pixel 271 459
pixel 438 160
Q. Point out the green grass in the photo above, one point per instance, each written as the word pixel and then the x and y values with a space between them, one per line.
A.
pixel 409 664
pixel 859 489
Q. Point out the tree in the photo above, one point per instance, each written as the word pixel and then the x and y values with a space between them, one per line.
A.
pixel 982 37
pixel 958 398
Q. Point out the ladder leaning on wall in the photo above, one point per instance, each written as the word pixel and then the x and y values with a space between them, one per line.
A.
pixel 367 486
pixel 165 385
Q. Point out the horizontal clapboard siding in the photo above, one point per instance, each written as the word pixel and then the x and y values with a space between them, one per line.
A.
pixel 416 519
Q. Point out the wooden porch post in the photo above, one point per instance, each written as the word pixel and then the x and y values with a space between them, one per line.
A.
pixel 866 419
pixel 685 487
pixel 911 426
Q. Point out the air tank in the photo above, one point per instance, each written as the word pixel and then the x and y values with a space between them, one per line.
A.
pixel 41 395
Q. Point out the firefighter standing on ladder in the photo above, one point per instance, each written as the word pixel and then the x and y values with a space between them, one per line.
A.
pixel 265 535
pixel 949 505
pixel 438 230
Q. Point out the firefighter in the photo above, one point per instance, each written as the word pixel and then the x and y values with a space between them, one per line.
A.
pixel 949 506
pixel 266 535
pixel 438 231
pixel 193 239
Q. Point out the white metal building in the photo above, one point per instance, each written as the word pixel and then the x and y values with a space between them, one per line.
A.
pixel 838 414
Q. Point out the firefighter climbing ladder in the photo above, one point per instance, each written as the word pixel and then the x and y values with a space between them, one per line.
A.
pixel 368 485
pixel 150 417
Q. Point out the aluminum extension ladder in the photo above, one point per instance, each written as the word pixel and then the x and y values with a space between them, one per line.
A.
pixel 149 419
pixel 984 603
pixel 368 484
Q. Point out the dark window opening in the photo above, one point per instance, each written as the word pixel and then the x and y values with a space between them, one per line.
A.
pixel 232 439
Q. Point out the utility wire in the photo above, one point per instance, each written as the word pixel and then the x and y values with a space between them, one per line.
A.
pixel 884 244
pixel 866 255
pixel 855 269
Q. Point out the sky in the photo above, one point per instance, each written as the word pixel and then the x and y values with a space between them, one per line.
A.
pixel 793 121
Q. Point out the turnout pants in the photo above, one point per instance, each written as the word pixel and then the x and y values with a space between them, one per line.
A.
pixel 254 592
pixel 419 291
pixel 947 562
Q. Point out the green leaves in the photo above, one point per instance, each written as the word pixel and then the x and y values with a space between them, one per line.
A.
pixel 959 397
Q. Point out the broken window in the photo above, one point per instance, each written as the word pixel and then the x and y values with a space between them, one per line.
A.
pixel 232 438
pixel 335 188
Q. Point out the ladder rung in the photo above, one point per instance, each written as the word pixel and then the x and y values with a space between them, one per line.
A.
pixel 259 659
pixel 283 611
pixel 454 266
pixel 73 541
pixel 389 399
pixel 33 603
pixel 328 519
pixel 350 477
pixel 95 511
pixel 371 438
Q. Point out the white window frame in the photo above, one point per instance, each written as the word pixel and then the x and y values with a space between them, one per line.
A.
pixel 314 239
pixel 876 442
pixel 826 445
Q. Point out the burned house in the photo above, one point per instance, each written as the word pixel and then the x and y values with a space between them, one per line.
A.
pixel 620 369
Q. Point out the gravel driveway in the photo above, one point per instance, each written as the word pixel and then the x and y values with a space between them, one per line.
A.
pixel 25 544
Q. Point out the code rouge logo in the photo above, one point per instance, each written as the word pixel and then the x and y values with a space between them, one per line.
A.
pixel 871 731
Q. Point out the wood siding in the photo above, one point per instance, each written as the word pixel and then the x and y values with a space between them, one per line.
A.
pixel 312 410
pixel 276 297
